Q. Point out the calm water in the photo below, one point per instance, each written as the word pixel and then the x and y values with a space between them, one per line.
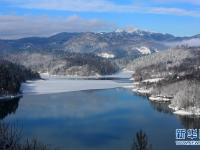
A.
pixel 96 120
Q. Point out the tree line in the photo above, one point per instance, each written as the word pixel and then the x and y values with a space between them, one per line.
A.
pixel 12 75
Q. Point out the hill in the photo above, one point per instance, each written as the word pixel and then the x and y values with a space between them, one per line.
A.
pixel 173 76
pixel 65 63
pixel 11 77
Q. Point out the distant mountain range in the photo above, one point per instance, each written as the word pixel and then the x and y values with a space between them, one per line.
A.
pixel 88 53
pixel 106 44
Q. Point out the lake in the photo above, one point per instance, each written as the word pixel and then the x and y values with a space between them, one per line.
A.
pixel 104 119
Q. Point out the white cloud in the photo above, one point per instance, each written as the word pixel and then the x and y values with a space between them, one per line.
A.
pixel 174 11
pixel 22 26
pixel 180 1
pixel 73 5
pixel 12 26
pixel 103 6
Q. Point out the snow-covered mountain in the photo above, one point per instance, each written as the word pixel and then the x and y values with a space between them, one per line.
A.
pixel 120 43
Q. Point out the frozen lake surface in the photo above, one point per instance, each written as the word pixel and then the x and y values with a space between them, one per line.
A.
pixel 63 84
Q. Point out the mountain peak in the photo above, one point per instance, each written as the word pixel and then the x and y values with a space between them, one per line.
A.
pixel 128 30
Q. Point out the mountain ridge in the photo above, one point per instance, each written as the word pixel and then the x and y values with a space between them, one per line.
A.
pixel 120 44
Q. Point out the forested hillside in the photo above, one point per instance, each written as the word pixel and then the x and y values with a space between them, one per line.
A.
pixel 65 63
pixel 89 53
pixel 12 75
pixel 172 75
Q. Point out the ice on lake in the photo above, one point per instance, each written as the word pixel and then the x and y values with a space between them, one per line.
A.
pixel 65 85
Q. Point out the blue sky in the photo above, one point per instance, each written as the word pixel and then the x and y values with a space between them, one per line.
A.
pixel 21 18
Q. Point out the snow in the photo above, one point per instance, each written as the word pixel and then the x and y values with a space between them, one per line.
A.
pixel 106 55
pixel 182 112
pixel 144 50
pixel 173 107
pixel 129 86
pixel 141 91
pixel 154 80
pixel 66 85
pixel 187 113
pixel 192 111
pixel 122 74
pixel 47 75
pixel 127 30
pixel 9 97
pixel 159 99
pixel 131 30
pixel 58 84
pixel 119 30
pixel 44 75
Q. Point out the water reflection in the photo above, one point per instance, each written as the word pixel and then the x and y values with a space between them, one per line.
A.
pixel 161 107
pixel 141 142
pixel 8 107
pixel 192 122
pixel 186 121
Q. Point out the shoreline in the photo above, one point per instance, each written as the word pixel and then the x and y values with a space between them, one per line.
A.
pixel 185 112
pixel 10 97
pixel 142 90
pixel 120 74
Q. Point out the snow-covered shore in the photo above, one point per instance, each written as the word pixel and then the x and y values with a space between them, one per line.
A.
pixel 122 74
pixel 183 112
pixel 9 97
pixel 159 98
pixel 154 80
pixel 192 111
pixel 141 89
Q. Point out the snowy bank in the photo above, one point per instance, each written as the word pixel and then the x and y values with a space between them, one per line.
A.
pixel 154 80
pixel 9 97
pixel 135 88
pixel 191 111
pixel 122 74
pixel 159 98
